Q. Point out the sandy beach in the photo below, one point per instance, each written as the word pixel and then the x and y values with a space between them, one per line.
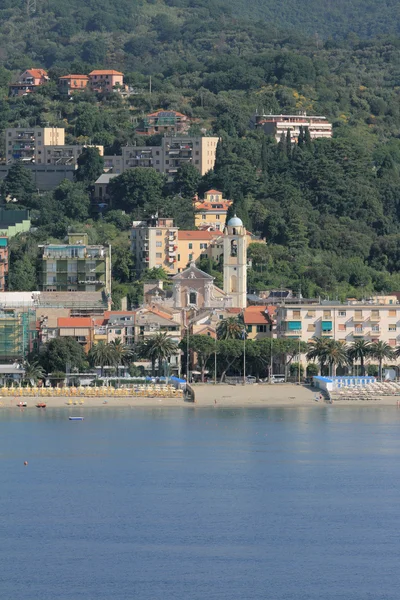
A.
pixel 219 396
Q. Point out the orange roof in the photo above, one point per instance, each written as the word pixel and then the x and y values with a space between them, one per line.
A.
pixel 256 315
pixel 160 313
pixel 213 192
pixel 74 322
pixel 37 72
pixel 74 77
pixel 210 204
pixel 105 72
pixel 198 235
pixel 235 311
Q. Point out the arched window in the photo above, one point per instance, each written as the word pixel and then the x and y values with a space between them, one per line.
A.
pixel 234 231
pixel 233 248
pixel 192 298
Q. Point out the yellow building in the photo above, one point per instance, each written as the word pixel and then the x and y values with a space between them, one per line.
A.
pixel 212 210
pixel 28 144
pixel 154 244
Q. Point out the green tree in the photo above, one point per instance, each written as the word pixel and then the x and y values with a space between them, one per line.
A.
pixel 33 372
pixel 73 200
pixel 18 184
pixel 90 166
pixel 55 355
pixel 230 328
pixel 158 348
pixel 101 355
pixel 229 351
pixel 22 275
pixel 186 180
pixel 137 190
pixel 120 353
pixel 203 346
pixel 336 354
pixel 381 350
pixel 359 351
pixel 318 352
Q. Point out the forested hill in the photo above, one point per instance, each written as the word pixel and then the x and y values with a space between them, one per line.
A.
pixel 55 32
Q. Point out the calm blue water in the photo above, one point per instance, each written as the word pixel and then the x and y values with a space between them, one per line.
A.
pixel 190 504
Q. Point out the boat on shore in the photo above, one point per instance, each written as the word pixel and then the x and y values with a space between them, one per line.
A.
pixel 41 405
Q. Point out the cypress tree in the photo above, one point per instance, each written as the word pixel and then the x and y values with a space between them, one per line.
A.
pixel 307 139
pixel 288 144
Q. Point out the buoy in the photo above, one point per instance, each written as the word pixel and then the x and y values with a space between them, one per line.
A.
pixel 26 463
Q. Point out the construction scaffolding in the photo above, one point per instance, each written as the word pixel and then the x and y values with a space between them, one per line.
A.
pixel 17 332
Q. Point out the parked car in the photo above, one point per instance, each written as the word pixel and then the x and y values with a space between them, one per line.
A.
pixel 278 379
pixel 251 379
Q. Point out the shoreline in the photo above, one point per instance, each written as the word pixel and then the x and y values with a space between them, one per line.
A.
pixel 208 395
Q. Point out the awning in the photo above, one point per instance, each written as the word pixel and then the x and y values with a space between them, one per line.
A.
pixel 326 325
pixel 294 325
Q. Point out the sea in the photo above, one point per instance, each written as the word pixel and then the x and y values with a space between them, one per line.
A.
pixel 200 504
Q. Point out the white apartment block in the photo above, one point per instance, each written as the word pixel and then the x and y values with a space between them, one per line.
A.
pixel 166 159
pixel 276 125
pixel 342 322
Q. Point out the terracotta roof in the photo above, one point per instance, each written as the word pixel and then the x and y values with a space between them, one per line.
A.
pixel 198 235
pixel 74 77
pixel 234 311
pixel 160 313
pixel 210 204
pixel 213 192
pixel 105 72
pixel 37 72
pixel 74 322
pixel 256 315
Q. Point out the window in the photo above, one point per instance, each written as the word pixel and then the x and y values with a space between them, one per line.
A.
pixel 392 313
pixel 217 217
pixel 311 328
pixel 342 327
pixel 179 257
pixel 158 255
pixel 392 342
pixel 203 246
pixel 159 244
pixel 158 232
pixel 190 256
pixel 327 314
pixel 296 314
pixel 342 313
pixel 358 314
pixel 261 328
pixel 249 328
pixel 203 217
pixel 196 162
pixel 192 298
pixel 374 314
pixel 392 327
pixel 190 246
pixel 374 328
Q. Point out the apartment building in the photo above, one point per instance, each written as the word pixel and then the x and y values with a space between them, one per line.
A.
pixel 168 122
pixel 174 152
pixel 151 321
pixel 3 263
pixel 342 322
pixel 28 144
pixel 106 80
pixel 80 329
pixel 276 125
pixel 194 245
pixel 66 155
pixel 28 82
pixel 70 84
pixel 154 244
pixel 75 266
pixel 212 210
pixel 259 321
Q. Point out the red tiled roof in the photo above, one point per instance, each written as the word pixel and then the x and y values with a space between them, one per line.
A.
pixel 198 235
pixel 256 315
pixel 210 204
pixel 213 192
pixel 74 77
pixel 37 72
pixel 74 322
pixel 105 72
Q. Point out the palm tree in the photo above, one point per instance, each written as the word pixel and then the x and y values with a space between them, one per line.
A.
pixel 120 353
pixel 337 354
pixel 101 355
pixel 380 351
pixel 318 351
pixel 230 328
pixel 158 348
pixel 33 371
pixel 360 350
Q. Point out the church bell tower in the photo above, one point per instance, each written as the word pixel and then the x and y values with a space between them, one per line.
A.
pixel 235 262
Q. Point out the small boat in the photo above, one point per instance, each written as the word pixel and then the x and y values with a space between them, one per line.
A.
pixel 76 418
pixel 22 404
pixel 41 405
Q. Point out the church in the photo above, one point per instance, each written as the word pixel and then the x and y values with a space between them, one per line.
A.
pixel 193 288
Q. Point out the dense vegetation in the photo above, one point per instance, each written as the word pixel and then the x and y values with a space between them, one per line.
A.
pixel 329 209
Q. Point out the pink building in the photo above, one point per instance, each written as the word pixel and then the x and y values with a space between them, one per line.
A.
pixel 28 81
pixel 106 81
